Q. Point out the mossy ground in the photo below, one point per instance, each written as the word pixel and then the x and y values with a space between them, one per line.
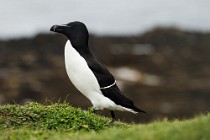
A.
pixel 62 121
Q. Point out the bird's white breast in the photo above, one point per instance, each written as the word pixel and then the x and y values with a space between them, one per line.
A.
pixel 85 81
pixel 82 77
pixel 79 72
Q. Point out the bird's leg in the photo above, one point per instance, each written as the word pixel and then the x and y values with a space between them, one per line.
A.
pixel 113 117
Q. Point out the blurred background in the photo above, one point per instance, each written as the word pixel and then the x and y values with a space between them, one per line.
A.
pixel 158 50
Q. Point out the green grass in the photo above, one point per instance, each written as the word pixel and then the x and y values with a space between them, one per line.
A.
pixel 61 121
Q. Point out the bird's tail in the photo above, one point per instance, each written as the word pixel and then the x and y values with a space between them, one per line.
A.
pixel 138 110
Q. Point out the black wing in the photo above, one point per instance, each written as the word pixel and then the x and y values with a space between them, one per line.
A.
pixel 105 78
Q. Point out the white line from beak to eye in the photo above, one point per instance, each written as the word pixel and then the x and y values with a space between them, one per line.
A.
pixel 65 25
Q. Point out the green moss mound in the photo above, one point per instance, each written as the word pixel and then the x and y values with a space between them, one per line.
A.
pixel 56 116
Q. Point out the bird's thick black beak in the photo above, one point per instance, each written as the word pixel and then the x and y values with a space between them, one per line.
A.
pixel 55 28
pixel 59 28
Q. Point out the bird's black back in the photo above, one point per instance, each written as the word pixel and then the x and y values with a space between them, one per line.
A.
pixel 105 78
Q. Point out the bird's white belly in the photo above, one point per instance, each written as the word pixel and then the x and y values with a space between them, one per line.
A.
pixel 79 72
pixel 83 78
pixel 85 81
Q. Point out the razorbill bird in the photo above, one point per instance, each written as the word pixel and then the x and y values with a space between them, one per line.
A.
pixel 88 75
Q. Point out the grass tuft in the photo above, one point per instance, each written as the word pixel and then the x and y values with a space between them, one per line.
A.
pixel 57 116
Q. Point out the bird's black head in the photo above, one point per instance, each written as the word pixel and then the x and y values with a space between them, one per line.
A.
pixel 76 32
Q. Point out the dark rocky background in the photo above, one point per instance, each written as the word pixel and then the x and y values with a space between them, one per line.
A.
pixel 166 71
